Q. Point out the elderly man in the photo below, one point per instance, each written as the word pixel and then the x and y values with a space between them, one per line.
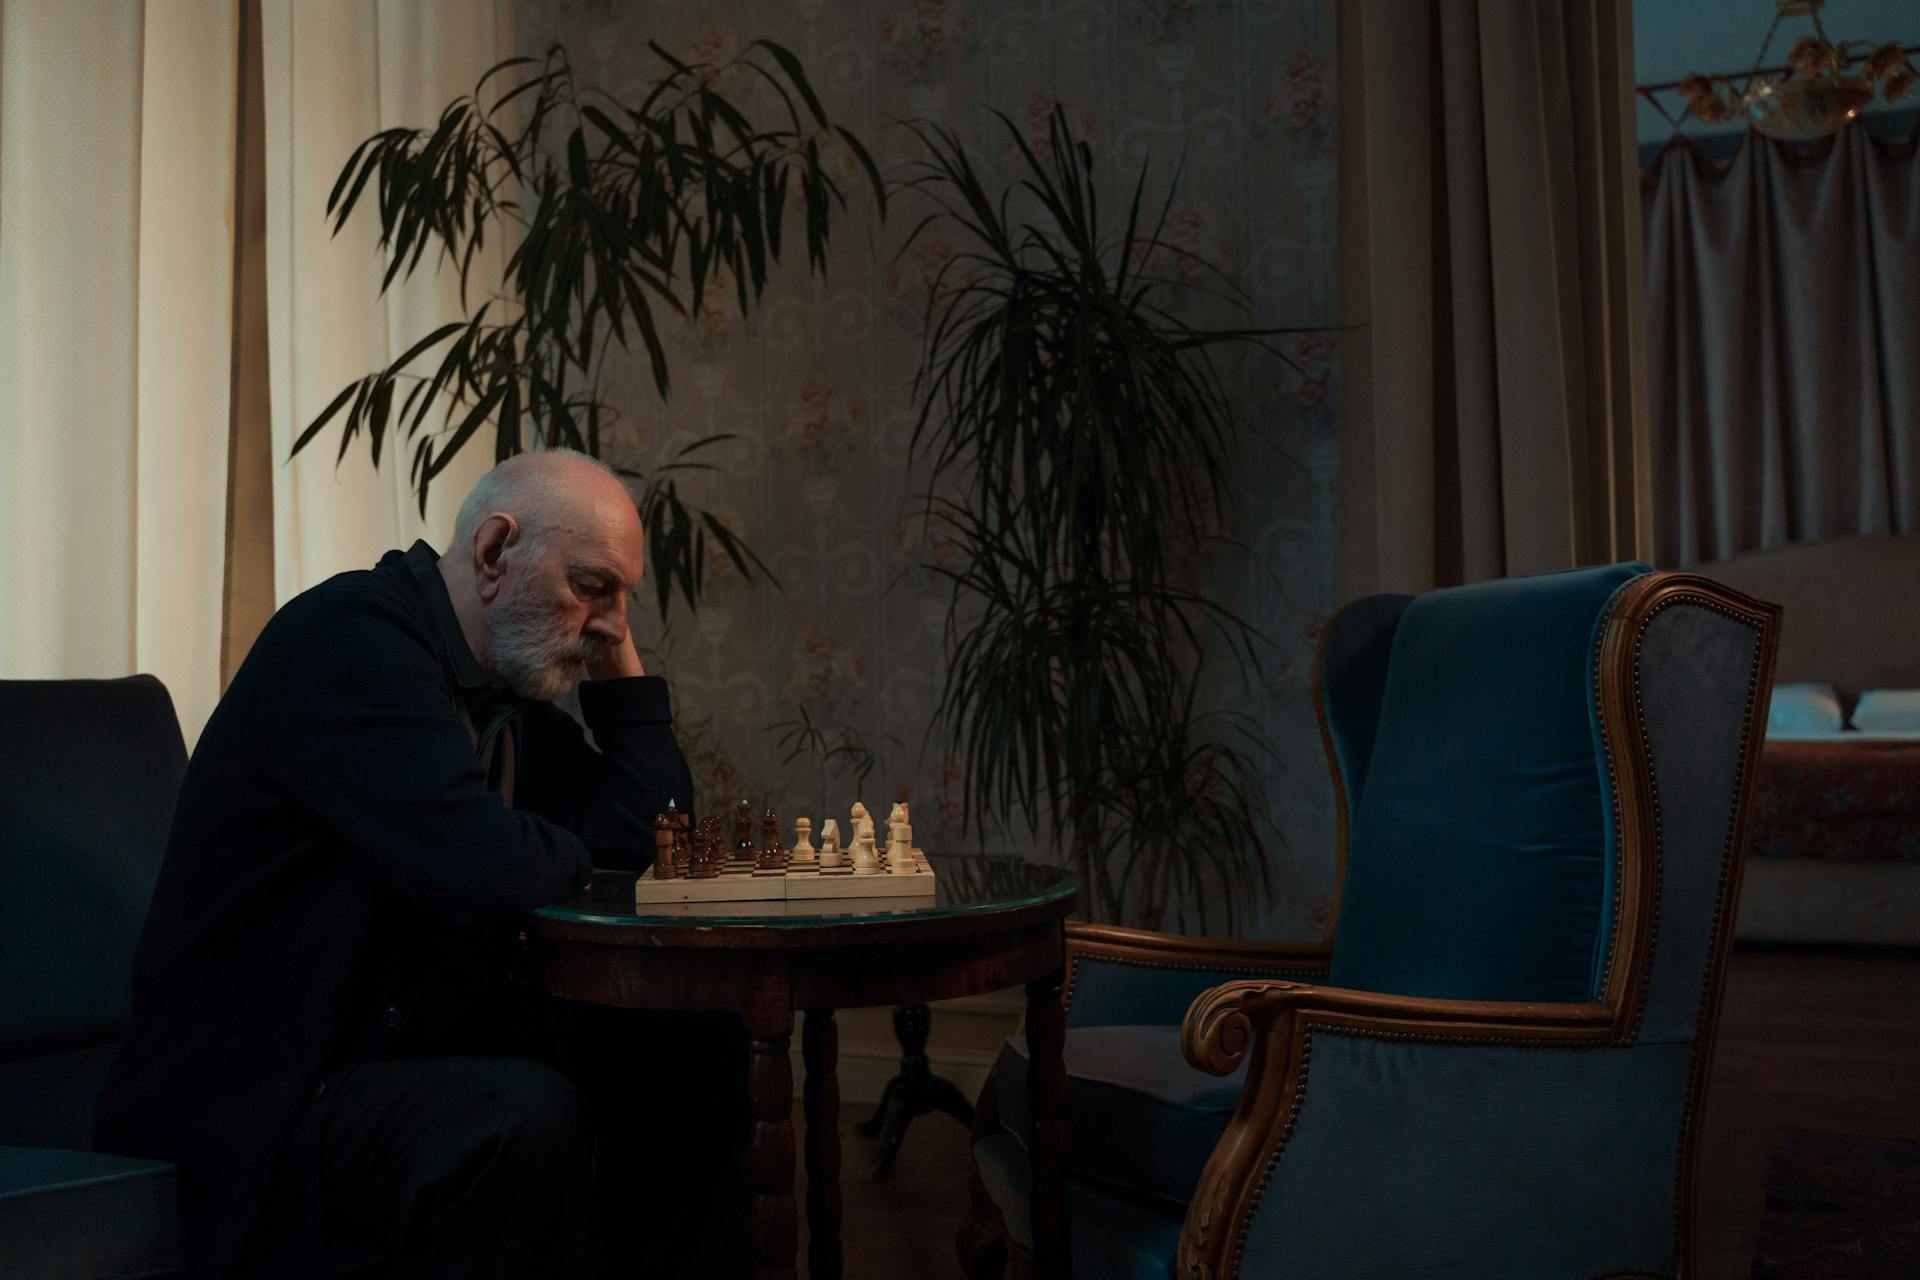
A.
pixel 324 1034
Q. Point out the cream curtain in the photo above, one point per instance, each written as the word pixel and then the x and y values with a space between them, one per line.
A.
pixel 116 144
pixel 1492 421
pixel 334 74
pixel 173 309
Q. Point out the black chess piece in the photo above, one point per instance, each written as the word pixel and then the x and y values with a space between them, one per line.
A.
pixel 773 855
pixel 916 1091
pixel 743 831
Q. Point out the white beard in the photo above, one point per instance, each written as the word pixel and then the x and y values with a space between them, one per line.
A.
pixel 534 657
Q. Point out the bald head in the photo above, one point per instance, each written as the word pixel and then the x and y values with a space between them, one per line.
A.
pixel 541 491
pixel 545 551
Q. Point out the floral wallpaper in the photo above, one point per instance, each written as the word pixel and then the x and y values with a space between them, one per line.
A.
pixel 843 661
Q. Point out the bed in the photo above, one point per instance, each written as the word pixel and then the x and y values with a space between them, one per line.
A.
pixel 1834 853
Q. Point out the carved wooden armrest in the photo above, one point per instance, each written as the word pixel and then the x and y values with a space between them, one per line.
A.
pixel 1174 950
pixel 1267 1022
pixel 1222 1025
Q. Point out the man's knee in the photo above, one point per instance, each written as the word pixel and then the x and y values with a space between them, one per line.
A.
pixel 536 1116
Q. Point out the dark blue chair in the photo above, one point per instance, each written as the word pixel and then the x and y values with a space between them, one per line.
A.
pixel 89 770
pixel 1496 1067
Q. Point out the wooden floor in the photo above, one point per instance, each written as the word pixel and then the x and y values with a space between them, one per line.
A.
pixel 1808 1039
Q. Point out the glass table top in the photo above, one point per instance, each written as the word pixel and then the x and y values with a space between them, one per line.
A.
pixel 966 884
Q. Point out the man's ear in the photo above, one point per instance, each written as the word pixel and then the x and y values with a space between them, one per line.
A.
pixel 495 534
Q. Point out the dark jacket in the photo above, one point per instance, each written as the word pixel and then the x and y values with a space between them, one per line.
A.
pixel 345 879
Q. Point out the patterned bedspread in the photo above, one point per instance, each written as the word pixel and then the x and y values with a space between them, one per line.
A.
pixel 1856 800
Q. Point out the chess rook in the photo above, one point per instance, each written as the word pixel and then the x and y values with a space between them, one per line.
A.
pixel 772 856
pixel 900 860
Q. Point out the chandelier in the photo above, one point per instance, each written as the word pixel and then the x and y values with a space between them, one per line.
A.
pixel 1815 94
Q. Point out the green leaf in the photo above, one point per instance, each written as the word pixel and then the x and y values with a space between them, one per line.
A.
pixel 475 419
pixel 326 415
pixel 433 339
pixel 669 59
pixel 577 160
pixel 797 74
pixel 346 171
pixel 497 68
pixel 866 162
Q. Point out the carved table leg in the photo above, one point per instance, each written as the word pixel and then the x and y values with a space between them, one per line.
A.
pixel 1047 1149
pixel 820 1047
pixel 776 1227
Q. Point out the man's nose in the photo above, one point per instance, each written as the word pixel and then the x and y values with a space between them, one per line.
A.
pixel 609 625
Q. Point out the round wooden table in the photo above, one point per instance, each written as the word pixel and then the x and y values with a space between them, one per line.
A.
pixel 994 923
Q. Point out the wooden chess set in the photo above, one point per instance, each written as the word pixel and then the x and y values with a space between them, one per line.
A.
pixel 697 864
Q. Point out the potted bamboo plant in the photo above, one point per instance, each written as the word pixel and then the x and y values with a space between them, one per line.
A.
pixel 1077 443
pixel 619 214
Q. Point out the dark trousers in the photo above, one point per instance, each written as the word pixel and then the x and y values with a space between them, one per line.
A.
pixel 449 1167
pixel 623 1158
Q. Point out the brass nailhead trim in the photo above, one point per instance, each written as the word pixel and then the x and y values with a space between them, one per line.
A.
pixel 1696 1065
pixel 1613 797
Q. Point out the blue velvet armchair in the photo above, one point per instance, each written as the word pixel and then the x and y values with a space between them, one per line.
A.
pixel 1496 1067
pixel 88 774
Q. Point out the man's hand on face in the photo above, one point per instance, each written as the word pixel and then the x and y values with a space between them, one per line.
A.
pixel 616 661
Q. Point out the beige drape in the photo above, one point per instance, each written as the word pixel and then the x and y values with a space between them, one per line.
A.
pixel 1492 422
pixel 173 308
pixel 334 74
pixel 116 139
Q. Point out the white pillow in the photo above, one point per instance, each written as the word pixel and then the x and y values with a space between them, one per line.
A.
pixel 1887 711
pixel 1803 710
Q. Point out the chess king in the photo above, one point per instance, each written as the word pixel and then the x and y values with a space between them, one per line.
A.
pixel 324 1038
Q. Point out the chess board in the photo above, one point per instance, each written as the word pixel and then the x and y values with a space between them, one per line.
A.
pixel 739 881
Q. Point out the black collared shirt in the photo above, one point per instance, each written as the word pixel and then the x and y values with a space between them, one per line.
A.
pixel 341 881
pixel 489 710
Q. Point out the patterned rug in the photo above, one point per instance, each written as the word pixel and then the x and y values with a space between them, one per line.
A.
pixel 1841 1205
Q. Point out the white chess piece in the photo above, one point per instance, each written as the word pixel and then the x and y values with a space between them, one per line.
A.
pixel 895 816
pixel 866 860
pixel 900 852
pixel 803 850
pixel 830 844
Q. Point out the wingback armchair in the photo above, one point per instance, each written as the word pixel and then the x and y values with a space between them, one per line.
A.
pixel 1496 1066
pixel 89 770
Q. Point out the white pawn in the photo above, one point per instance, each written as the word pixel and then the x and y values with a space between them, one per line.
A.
pixel 803 850
pixel 900 853
pixel 895 816
pixel 830 855
pixel 866 861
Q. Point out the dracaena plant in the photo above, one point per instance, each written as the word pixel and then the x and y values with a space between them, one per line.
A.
pixel 1078 444
pixel 619 215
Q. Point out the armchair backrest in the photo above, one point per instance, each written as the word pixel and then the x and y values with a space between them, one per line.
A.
pixel 1465 730
pixel 89 770
pixel 1546 781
